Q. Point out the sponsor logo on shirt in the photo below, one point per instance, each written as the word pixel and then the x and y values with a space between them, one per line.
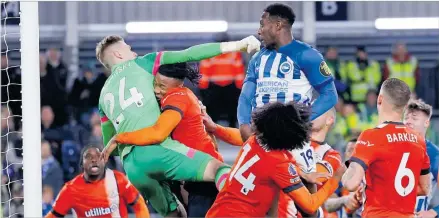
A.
pixel 101 211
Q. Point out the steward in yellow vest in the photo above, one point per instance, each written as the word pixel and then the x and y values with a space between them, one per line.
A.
pixel 362 74
pixel 403 66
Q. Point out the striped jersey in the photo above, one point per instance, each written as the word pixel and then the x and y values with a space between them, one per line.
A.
pixel 290 74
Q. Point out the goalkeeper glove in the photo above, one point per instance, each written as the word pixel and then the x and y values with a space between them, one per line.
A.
pixel 248 44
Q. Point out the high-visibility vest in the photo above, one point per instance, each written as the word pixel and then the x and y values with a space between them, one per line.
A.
pixel 367 121
pixel 361 81
pixel 353 122
pixel 404 71
pixel 222 70
pixel 338 67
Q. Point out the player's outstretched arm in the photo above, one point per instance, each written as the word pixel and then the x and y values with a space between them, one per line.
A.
pixel 154 134
pixel 208 50
pixel 226 134
pixel 229 135
pixel 308 202
pixel 286 177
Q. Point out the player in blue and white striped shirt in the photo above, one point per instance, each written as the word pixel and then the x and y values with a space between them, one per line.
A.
pixel 417 116
pixel 284 70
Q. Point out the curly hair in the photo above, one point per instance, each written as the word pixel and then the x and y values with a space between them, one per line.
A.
pixel 181 71
pixel 281 126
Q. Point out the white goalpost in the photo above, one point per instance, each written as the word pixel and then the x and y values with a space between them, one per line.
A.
pixel 29 40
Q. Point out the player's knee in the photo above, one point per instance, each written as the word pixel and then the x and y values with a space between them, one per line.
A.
pixel 211 170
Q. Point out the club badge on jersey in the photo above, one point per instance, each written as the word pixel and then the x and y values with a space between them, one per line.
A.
pixel 279 78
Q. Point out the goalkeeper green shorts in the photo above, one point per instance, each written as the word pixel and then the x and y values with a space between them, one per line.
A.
pixel 150 167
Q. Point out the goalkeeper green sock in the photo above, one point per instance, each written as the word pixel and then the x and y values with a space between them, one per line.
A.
pixel 221 176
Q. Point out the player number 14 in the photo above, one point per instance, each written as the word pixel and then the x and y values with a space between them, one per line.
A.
pixel 247 183
pixel 402 172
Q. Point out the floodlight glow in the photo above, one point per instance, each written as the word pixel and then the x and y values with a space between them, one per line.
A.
pixel 412 23
pixel 177 27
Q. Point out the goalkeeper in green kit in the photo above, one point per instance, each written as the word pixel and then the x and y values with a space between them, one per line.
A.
pixel 127 103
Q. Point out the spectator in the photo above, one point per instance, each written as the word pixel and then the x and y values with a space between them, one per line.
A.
pixel 11 87
pixel 49 131
pixel 369 111
pixel 48 198
pixel 15 208
pixel 96 135
pixel 11 142
pixel 86 90
pixel 52 173
pixel 403 66
pixel 56 67
pixel 352 119
pixel 337 68
pixel 220 85
pixel 363 74
pixel 7 128
pixel 53 91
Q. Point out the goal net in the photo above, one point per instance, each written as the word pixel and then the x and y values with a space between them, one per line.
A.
pixel 20 111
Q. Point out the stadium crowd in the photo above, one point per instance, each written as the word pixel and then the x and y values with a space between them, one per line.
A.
pixel 70 120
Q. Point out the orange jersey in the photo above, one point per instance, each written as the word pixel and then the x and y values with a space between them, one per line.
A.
pixel 190 131
pixel 256 178
pixel 304 160
pixel 329 157
pixel 325 154
pixel 107 197
pixel 393 158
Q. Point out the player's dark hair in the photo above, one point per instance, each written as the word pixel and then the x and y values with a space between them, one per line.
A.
pixel 180 71
pixel 420 105
pixel 282 11
pixel 85 149
pixel 281 126
pixel 397 91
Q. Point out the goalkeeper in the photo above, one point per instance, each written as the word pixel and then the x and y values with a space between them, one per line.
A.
pixel 127 103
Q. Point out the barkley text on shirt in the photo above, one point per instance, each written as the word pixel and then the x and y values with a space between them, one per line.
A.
pixel 402 137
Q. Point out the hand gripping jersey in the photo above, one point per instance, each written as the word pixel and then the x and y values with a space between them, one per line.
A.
pixel 393 158
pixel 107 197
pixel 423 202
pixel 331 159
pixel 256 178
pixel 305 160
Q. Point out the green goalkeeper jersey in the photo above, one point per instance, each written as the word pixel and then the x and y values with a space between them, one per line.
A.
pixel 127 101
